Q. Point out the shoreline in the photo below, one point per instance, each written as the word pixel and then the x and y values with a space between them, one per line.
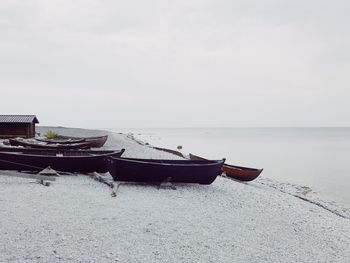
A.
pixel 76 219
pixel 315 158
pixel 299 191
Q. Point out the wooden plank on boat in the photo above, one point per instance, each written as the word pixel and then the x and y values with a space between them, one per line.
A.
pixel 177 153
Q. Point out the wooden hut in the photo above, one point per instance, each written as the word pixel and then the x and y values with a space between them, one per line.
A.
pixel 17 126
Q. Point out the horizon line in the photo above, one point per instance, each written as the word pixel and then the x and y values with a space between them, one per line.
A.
pixel 200 127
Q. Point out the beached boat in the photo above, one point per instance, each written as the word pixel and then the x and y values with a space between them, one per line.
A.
pixel 157 171
pixel 59 141
pixel 32 143
pixel 62 160
pixel 236 172
pixel 95 142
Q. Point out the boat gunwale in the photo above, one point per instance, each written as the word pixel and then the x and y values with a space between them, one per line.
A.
pixel 69 156
pixel 39 145
pixel 243 168
pixel 26 149
pixel 230 165
pixel 63 141
pixel 85 138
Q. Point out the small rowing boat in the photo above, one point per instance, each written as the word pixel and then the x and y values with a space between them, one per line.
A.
pixel 32 143
pixel 59 141
pixel 157 171
pixel 94 142
pixel 236 172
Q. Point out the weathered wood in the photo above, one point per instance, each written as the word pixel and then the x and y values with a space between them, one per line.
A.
pixel 177 153
pixel 115 189
pixel 48 171
pixel 98 177
pixel 166 184
pixel 31 176
pixel 44 183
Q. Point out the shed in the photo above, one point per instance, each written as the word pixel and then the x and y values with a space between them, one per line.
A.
pixel 17 126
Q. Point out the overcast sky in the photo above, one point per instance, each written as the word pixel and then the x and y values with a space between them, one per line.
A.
pixel 187 63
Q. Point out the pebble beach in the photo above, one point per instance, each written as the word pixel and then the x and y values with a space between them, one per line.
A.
pixel 76 219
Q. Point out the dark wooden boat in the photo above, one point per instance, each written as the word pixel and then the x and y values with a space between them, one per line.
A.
pixel 157 171
pixel 62 161
pixel 42 145
pixel 236 172
pixel 95 142
pixel 60 141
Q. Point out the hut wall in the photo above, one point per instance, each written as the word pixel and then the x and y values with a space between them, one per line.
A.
pixel 31 133
pixel 11 130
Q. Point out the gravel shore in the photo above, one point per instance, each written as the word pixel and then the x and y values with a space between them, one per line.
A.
pixel 76 219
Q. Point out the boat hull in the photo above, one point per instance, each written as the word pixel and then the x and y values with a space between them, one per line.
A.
pixel 156 171
pixel 241 174
pixel 94 142
pixel 60 141
pixel 61 161
pixel 31 144
pixel 236 172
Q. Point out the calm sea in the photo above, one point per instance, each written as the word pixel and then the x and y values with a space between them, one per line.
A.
pixel 315 157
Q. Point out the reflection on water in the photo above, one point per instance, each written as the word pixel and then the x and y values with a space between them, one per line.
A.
pixel 315 157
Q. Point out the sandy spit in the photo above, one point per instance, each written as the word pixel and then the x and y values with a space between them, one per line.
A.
pixel 75 219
